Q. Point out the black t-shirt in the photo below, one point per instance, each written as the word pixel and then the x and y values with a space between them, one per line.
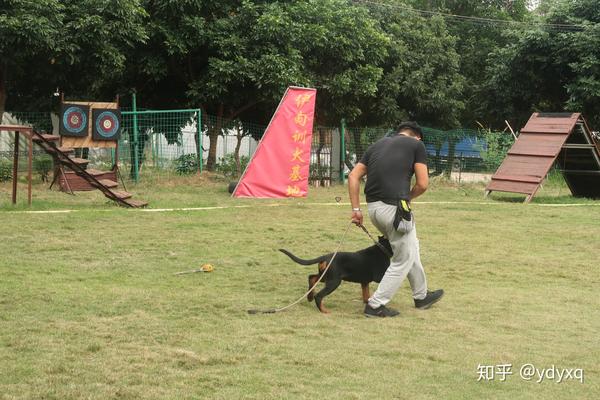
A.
pixel 390 166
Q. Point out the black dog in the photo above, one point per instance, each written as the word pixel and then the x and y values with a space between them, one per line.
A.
pixel 364 266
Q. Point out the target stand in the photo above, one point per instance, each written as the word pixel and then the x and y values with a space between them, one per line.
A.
pixel 87 125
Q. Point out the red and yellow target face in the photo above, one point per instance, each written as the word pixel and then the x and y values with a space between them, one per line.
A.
pixel 74 120
pixel 107 124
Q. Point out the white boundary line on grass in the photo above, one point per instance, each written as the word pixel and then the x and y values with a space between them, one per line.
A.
pixel 288 205
pixel 486 203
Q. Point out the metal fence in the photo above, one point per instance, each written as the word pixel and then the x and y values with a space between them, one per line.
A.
pixel 42 163
pixel 324 158
pixel 456 154
pixel 159 139
pixel 178 141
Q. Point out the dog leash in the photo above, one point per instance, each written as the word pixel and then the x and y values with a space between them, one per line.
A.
pixel 385 251
pixel 276 310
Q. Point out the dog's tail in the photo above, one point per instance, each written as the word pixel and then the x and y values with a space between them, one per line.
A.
pixel 306 262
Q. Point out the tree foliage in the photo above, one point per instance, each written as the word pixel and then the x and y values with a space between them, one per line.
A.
pixel 78 46
pixel 373 63
pixel 548 69
pixel 421 73
pixel 29 38
pixel 235 58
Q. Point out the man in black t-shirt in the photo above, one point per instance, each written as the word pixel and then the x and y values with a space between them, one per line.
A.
pixel 390 164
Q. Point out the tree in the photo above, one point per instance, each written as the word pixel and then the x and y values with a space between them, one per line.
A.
pixel 231 58
pixel 100 35
pixel 421 77
pixel 79 46
pixel 241 132
pixel 476 39
pixel 329 45
pixel 521 77
pixel 549 68
pixel 580 54
pixel 29 38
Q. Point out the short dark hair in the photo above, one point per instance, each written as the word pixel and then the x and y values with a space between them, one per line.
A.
pixel 410 125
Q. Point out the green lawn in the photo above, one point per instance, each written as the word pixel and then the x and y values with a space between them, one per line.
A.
pixel 90 308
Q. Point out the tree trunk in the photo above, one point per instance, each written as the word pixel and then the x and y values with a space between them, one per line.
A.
pixel 437 162
pixel 213 134
pixel 451 156
pixel 320 175
pixel 346 158
pixel 198 148
pixel 3 93
pixel 236 154
pixel 358 147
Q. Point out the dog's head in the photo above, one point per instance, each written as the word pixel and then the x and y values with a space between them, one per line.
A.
pixel 385 243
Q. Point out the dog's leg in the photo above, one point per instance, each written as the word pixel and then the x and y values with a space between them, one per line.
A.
pixel 322 266
pixel 312 279
pixel 330 285
pixel 365 292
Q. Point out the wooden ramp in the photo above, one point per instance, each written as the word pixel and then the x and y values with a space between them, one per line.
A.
pixel 547 138
pixel 62 156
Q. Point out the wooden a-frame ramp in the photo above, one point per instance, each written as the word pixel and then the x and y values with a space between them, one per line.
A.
pixel 548 138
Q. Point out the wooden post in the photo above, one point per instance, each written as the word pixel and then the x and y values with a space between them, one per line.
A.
pixel 15 168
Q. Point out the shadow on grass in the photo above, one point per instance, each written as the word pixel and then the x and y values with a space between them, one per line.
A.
pixel 563 199
pixel 508 199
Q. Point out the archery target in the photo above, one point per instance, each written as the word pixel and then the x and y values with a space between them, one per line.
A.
pixel 74 120
pixel 107 124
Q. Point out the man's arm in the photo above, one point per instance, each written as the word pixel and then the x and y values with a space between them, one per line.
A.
pixel 422 181
pixel 354 178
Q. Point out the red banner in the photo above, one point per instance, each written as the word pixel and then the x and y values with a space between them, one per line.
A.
pixel 280 165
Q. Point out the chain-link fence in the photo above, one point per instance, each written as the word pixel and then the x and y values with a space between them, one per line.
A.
pixel 42 163
pixel 172 141
pixel 161 140
pixel 460 154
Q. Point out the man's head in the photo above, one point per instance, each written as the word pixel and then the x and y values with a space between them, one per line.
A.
pixel 410 128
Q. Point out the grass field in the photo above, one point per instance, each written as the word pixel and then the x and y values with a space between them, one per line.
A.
pixel 90 308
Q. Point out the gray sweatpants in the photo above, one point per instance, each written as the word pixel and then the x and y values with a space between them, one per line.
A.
pixel 406 260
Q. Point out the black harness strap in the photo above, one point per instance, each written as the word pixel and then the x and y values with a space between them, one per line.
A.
pixel 385 251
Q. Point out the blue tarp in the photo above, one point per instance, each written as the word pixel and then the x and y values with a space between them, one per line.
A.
pixel 469 147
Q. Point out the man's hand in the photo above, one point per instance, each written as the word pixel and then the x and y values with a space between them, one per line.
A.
pixel 357 217
pixel 354 178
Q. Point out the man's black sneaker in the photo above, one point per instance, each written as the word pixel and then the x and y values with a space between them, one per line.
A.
pixel 430 299
pixel 381 311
